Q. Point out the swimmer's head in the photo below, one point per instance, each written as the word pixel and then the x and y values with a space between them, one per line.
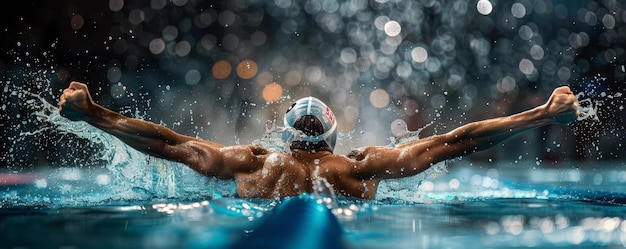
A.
pixel 315 119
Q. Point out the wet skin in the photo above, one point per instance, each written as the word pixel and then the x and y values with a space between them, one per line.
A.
pixel 261 174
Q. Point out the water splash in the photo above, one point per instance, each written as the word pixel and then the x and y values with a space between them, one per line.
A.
pixel 323 191
pixel 406 136
pixel 406 188
pixel 276 138
pixel 600 121
pixel 587 108
pixel 126 175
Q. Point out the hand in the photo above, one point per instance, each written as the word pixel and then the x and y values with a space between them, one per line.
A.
pixel 562 107
pixel 75 102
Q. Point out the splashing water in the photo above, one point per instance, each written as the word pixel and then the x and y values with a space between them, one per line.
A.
pixel 277 138
pixel 594 97
pixel 126 176
pixel 407 188
pixel 587 108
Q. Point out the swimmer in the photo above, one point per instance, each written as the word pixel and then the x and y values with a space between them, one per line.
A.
pixel 263 174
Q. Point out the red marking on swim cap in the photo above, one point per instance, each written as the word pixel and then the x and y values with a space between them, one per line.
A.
pixel 330 115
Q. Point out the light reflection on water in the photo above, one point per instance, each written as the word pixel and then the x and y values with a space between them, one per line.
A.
pixel 470 206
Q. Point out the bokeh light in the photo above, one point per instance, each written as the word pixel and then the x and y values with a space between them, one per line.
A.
pixel 518 10
pixel 293 78
pixel 247 69
pixel 264 78
pixel 379 98
pixel 399 128
pixel 417 61
pixel 77 22
pixel 157 46
pixel 419 54
pixel 392 28
pixel 221 69
pixel 193 77
pixel 272 92
pixel 484 7
pixel 116 5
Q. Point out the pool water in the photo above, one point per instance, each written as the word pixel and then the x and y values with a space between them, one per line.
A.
pixel 473 206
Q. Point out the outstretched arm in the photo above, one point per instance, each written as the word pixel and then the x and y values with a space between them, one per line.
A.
pixel 203 156
pixel 415 157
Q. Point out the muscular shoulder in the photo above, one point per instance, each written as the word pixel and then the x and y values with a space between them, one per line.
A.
pixel 356 154
pixel 253 149
pixel 363 153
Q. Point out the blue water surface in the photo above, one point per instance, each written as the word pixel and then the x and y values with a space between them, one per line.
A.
pixel 474 206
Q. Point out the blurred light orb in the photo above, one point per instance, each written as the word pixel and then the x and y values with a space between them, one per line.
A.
pixel 313 74
pixel 348 55
pixel 293 78
pixel 438 101
pixel 419 54
pixel 182 48
pixel 221 69
pixel 156 46
pixel 193 77
pixel 203 20
pixel 116 5
pixel 480 46
pixel 564 73
pixel 399 128
pixel 560 11
pixel 433 65
pixel 608 21
pixel 526 66
pixel 179 3
pixel 272 92
pixel 404 70
pixel 170 33
pixel 506 84
pixel 380 22
pixel 227 18
pixel 518 10
pixel 484 7
pixel 264 78
pixel 379 98
pixel 392 28
pixel 536 52
pixel 158 4
pixel 77 22
pixel 208 41
pixel 525 32
pixel 247 69
pixel 136 16
pixel 114 74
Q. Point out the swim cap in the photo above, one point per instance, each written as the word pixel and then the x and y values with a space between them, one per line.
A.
pixel 314 107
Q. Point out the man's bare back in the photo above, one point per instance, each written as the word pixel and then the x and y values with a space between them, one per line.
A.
pixel 261 174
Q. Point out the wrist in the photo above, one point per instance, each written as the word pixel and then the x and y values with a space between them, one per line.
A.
pixel 542 115
pixel 94 114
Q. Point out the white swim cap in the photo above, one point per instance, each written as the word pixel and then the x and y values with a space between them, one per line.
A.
pixel 314 107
